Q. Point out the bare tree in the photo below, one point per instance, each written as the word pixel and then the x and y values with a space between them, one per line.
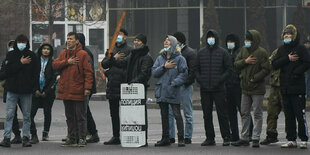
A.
pixel 210 21
pixel 299 20
pixel 257 21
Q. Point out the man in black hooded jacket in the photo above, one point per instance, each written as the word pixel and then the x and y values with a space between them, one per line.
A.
pixel 293 60
pixel 213 68
pixel 21 76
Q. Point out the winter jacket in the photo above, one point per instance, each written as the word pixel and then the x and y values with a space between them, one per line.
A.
pixel 115 74
pixel 275 73
pixel 234 79
pixel 213 66
pixel 292 77
pixel 49 74
pixel 74 79
pixel 190 56
pixel 21 78
pixel 167 88
pixel 254 72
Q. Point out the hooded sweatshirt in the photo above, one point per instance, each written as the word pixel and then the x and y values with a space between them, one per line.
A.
pixel 292 78
pixel 253 75
pixel 49 73
pixel 213 66
pixel 167 88
pixel 234 79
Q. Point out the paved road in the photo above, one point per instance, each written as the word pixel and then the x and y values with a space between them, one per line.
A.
pixel 100 110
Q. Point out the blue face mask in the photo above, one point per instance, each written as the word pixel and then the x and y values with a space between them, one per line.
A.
pixel 247 44
pixel 11 49
pixel 287 40
pixel 211 41
pixel 167 48
pixel 230 46
pixel 21 46
pixel 119 39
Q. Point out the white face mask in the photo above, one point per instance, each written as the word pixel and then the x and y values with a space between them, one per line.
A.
pixel 230 46
pixel 11 49
pixel 119 39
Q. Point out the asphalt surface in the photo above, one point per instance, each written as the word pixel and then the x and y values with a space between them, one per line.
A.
pixel 101 114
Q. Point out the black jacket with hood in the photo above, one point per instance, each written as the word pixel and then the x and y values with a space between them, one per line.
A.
pixel 114 73
pixel 213 66
pixel 234 80
pixel 21 77
pixel 49 74
pixel 292 77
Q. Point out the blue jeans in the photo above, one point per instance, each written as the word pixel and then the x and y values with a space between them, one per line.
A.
pixel 25 105
pixel 187 102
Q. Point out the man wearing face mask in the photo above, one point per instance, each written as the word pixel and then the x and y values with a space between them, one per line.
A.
pixel 254 65
pixel 213 68
pixel 139 66
pixel 115 75
pixel 15 128
pixel 21 76
pixel 293 60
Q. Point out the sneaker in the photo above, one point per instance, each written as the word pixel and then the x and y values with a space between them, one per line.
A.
pixel 188 141
pixel 45 136
pixel 93 139
pixel 172 140
pixel 34 139
pixel 65 139
pixel 255 143
pixel 82 143
pixel 268 141
pixel 241 143
pixel 5 142
pixel 113 141
pixel 26 142
pixel 289 144
pixel 303 145
pixel 208 142
pixel 226 142
pixel 16 140
pixel 70 143
pixel 163 142
pixel 181 142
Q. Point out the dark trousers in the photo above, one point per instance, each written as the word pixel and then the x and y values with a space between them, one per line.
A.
pixel 233 104
pixel 164 111
pixel 15 126
pixel 114 112
pixel 207 99
pixel 91 125
pixel 46 104
pixel 294 108
pixel 75 114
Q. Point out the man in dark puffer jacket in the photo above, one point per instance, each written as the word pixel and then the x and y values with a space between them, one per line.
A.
pixel 213 68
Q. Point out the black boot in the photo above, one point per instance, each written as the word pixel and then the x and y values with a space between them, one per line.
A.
pixel 26 142
pixel 93 139
pixel 163 142
pixel 45 136
pixel 16 140
pixel 181 142
pixel 113 141
pixel 34 139
pixel 5 142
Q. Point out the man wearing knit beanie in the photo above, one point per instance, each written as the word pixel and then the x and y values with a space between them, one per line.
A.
pixel 186 90
pixel 142 38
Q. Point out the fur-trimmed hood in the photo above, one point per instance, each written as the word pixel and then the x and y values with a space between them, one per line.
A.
pixel 293 28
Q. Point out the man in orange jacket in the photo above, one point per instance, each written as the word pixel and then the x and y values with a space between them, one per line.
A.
pixel 74 86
